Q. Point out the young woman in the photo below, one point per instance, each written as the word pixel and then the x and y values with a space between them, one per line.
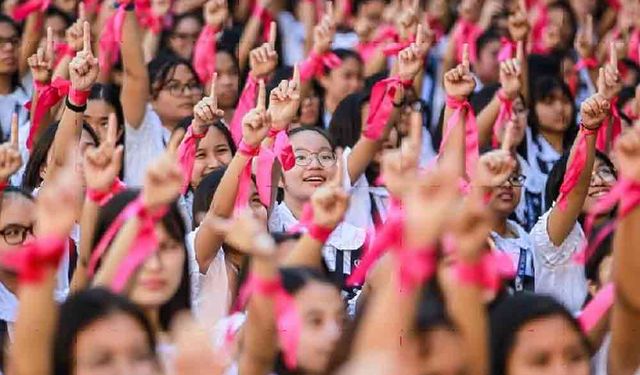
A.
pixel 341 81
pixel 180 40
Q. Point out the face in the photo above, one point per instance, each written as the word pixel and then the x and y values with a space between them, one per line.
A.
pixel 554 112
pixel 58 26
pixel 315 164
pixel 113 345
pixel 518 123
pixel 548 346
pixel 9 43
pixel 470 9
pixel 17 218
pixel 183 37
pixel 159 277
pixel 212 152
pixel 443 356
pixel 602 179
pixel 227 85
pixel 505 198
pixel 343 80
pixel 67 6
pixel 559 19
pixel 486 65
pixel 178 95
pixel 369 18
pixel 97 116
pixel 322 313
pixel 310 110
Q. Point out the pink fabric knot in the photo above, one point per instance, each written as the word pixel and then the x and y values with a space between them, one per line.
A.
pixel 187 154
pixel 507 49
pixel 313 66
pixel 22 11
pixel 575 167
pixel 48 96
pixel 109 42
pixel 488 272
pixel 62 50
pixel 613 122
pixel 466 32
pixel 472 150
pixel 416 266
pixel 204 54
pixel 381 106
pixel 506 110
pixel 393 49
pixel 32 259
pixel 103 197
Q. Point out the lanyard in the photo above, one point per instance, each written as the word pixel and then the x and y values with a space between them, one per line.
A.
pixel 521 272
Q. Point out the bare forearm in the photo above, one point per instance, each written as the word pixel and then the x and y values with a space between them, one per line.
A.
pixel 117 252
pixel 486 119
pixel 80 279
pixel 306 253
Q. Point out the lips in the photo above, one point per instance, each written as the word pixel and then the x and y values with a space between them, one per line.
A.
pixel 153 284
pixel 314 180
pixel 598 192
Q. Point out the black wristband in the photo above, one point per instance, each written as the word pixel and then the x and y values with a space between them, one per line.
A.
pixel 75 108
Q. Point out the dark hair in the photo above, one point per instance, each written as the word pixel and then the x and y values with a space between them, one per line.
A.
pixel 174 224
pixel 18 191
pixel 357 4
pixel 571 18
pixel 344 54
pixel 162 68
pixel 168 33
pixel 219 125
pixel 83 309
pixel 511 314
pixel 556 176
pixel 54 11
pixel 38 157
pixel 346 123
pixel 203 195
pixel 315 129
pixel 111 94
pixel 604 249
pixel 489 35
pixel 543 87
pixel 15 77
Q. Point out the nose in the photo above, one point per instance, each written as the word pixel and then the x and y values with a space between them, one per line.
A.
pixel 213 163
pixel 333 332
pixel 153 262
pixel 315 162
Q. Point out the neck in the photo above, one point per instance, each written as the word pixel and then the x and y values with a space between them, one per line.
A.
pixel 153 314
pixel 500 226
pixel 294 205
pixel 555 139
pixel 5 84
pixel 330 104
pixel 169 124
pixel 228 115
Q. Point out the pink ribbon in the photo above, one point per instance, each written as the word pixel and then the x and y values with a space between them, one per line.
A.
pixel 507 49
pixel 367 50
pixel 204 54
pixel 102 198
pixel 506 111
pixel 287 317
pixel 319 233
pixel 187 154
pixel 33 258
pixel 488 272
pixel 597 308
pixel 48 96
pixel 588 63
pixel 466 32
pixel 146 17
pixel 574 168
pixel 472 152
pixel 539 27
pixel 394 48
pixel 109 42
pixel 246 102
pixel 415 266
pixel 22 11
pixel 266 18
pixel 614 122
pixel 615 4
pixel 381 106
pixel 314 65
pixel 62 50
pixel 142 247
pixel 244 184
pixel 634 48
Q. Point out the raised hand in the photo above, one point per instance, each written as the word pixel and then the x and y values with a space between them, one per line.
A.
pixel 41 63
pixel 585 44
pixel 611 84
pixel 264 59
pixel 459 81
pixel 627 152
pixel 411 59
pixel 330 202
pixel 518 23
pixel 245 233
pixel 216 13
pixel 470 228
pixel 408 18
pixel 160 8
pixel 83 69
pixel 206 112
pixel 511 76
pixel 10 158
pixel 324 31
pixel 164 179
pixel 400 166
pixel 596 108
pixel 284 101
pixel 494 168
pixel 103 163
pixel 256 123
pixel 74 34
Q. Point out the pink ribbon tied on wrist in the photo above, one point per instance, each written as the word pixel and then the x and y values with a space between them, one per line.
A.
pixel 102 198
pixel 187 155
pixel 48 96
pixel 313 66
pixel 489 272
pixel 315 231
pixel 575 167
pixel 244 184
pixel 472 151
pixel 588 63
pixel 613 122
pixel 33 258
pixel 506 110
pixel 204 53
pixel 381 106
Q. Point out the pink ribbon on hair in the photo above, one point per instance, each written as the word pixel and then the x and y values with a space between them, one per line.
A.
pixel 597 308
pixel 33 258
pixel 187 154
pixel 142 247
pixel 472 152
pixel 244 184
pixel 626 193
pixel 204 54
pixel 466 32
pixel 488 272
pixel 287 317
pixel 588 63
pixel 574 168
pixel 246 102
pixel 48 96
pixel 507 49
pixel 613 122
pixel 109 42
pixel 381 106
pixel 314 65
pixel 506 111
pixel 22 11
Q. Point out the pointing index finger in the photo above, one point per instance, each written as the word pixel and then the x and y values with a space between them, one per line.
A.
pixel 613 55
pixel 86 36
pixel 465 56
pixel 419 35
pixel 273 30
pixel 14 130
pixel 49 46
pixel 112 129
pixel 82 16
pixel 262 96
pixel 296 76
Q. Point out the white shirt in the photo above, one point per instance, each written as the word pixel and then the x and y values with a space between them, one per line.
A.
pixel 143 145
pixel 16 101
pixel 557 274
pixel 532 199
pixel 540 155
pixel 517 247
pixel 292 36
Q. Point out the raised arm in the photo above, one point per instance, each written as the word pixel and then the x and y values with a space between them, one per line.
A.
pixel 251 31
pixel 518 24
pixel 74 39
pixel 151 38
pixel 624 353
pixel 40 65
pixel 30 40
pixel 135 82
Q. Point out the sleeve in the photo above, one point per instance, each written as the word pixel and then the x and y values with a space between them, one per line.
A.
pixel 548 254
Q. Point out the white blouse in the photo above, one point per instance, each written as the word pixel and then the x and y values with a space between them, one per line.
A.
pixel 143 145
pixel 557 274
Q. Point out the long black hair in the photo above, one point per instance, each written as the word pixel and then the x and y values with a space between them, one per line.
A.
pixel 174 224
pixel 162 68
pixel 38 157
pixel 83 309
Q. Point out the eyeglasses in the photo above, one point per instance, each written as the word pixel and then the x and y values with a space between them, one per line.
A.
pixel 326 159
pixel 176 89
pixel 15 234
pixel 517 180
pixel 185 36
pixel 603 174
pixel 12 41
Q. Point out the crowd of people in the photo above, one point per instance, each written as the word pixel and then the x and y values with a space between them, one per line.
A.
pixel 279 187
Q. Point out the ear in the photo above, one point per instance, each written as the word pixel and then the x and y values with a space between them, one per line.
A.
pixel 592 288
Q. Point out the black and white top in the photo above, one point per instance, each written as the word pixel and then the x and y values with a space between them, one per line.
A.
pixel 532 200
pixel 540 155
pixel 519 248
